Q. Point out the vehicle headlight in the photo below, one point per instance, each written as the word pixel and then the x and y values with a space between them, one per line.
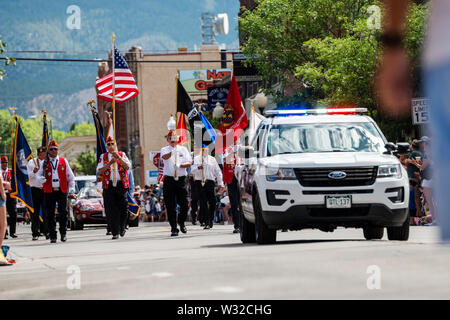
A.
pixel 86 208
pixel 391 170
pixel 274 174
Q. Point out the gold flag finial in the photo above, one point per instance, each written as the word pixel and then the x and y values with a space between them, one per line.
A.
pixel 90 103
pixel 113 36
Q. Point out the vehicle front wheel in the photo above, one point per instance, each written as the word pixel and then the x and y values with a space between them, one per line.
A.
pixel 399 233
pixel 373 233
pixel 264 235
pixel 247 230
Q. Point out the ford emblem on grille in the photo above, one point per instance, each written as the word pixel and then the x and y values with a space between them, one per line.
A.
pixel 337 175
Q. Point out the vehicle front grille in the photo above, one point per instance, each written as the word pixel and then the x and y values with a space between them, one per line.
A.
pixel 355 211
pixel 318 177
pixel 97 215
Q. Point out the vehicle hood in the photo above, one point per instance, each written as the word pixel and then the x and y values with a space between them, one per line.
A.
pixel 96 203
pixel 329 159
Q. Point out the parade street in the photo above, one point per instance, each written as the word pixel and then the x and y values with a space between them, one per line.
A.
pixel 213 264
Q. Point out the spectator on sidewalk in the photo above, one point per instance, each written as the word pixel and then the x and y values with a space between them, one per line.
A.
pixel 413 169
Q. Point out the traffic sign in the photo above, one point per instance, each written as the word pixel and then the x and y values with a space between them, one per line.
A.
pixel 420 112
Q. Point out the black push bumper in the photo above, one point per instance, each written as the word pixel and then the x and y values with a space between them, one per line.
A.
pixel 300 217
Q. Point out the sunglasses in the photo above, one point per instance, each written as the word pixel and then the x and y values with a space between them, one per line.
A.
pixel 110 144
pixel 53 149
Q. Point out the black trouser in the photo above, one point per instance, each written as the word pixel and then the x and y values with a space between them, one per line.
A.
pixel 37 195
pixel 175 193
pixel 11 208
pixel 196 187
pixel 235 200
pixel 116 207
pixel 50 201
pixel 208 201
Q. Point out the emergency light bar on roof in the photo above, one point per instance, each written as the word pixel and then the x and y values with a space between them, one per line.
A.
pixel 302 112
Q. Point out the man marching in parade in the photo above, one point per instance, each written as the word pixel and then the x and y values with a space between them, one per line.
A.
pixel 11 203
pixel 113 166
pixel 231 169
pixel 206 171
pixel 37 192
pixel 176 159
pixel 59 181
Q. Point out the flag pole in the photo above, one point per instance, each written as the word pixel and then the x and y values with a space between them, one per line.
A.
pixel 113 103
pixel 176 125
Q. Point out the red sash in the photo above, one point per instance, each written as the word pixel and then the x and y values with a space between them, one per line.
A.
pixel 107 174
pixel 62 168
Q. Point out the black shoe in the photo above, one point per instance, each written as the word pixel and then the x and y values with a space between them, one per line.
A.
pixel 13 236
pixel 6 237
pixel 210 225
pixel 174 232
pixel 47 236
pixel 122 233
pixel 63 238
pixel 53 241
pixel 202 224
pixel 115 237
pixel 35 238
pixel 284 230
pixel 183 229
pixel 236 230
pixel 194 223
pixel 206 227
pixel 108 233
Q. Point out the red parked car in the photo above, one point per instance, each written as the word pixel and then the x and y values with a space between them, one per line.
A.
pixel 88 208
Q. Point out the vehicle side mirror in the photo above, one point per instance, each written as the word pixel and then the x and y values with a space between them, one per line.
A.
pixel 390 147
pixel 403 148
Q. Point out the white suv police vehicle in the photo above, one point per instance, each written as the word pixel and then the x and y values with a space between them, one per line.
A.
pixel 322 168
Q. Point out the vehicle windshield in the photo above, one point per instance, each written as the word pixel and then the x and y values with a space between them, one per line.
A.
pixel 89 193
pixel 324 137
pixel 80 184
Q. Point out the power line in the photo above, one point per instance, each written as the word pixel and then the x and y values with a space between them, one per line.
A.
pixel 107 60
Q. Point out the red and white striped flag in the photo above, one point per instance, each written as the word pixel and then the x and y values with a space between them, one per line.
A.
pixel 125 86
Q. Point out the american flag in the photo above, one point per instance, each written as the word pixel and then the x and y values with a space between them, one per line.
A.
pixel 125 86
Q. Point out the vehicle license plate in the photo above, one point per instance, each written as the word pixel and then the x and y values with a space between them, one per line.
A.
pixel 338 202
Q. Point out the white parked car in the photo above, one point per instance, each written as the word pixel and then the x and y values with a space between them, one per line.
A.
pixel 322 168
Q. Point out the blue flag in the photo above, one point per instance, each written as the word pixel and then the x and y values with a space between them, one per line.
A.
pixel 209 128
pixel 101 145
pixel 133 207
pixel 20 184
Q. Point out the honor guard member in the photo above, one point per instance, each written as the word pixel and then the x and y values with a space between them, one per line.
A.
pixel 206 171
pixel 231 169
pixel 37 194
pixel 59 181
pixel 195 196
pixel 11 203
pixel 113 166
pixel 176 159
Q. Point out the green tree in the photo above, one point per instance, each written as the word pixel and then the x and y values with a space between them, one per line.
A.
pixel 328 47
pixel 86 162
pixel 8 60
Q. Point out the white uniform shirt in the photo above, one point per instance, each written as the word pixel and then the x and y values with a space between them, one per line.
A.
pixel 211 169
pixel 4 175
pixel 114 176
pixel 182 156
pixel 34 180
pixel 55 175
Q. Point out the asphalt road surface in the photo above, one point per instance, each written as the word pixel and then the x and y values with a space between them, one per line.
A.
pixel 213 264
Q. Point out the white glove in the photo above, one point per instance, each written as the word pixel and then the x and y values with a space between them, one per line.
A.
pixel 42 180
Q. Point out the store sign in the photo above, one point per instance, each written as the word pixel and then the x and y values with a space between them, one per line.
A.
pixel 198 81
pixel 420 111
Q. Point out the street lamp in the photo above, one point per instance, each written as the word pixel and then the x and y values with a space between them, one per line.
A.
pixel 218 111
pixel 260 101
